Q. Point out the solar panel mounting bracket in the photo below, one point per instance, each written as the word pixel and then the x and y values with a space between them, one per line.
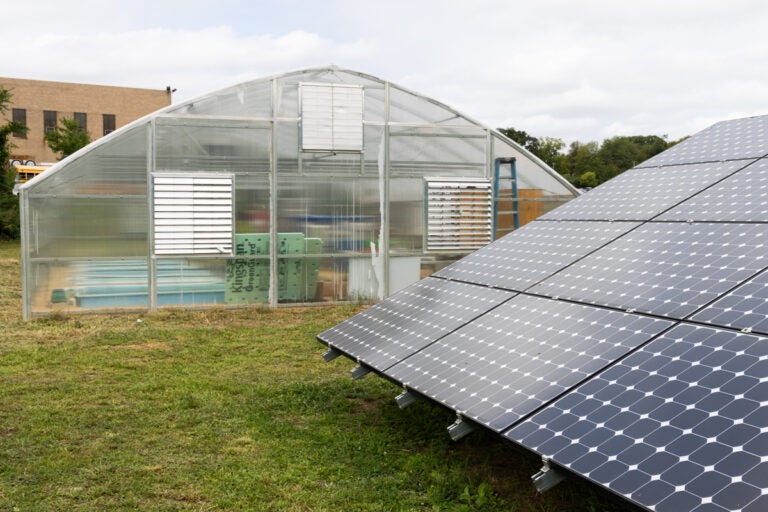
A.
pixel 460 428
pixel 330 354
pixel 406 398
pixel 359 371
pixel 547 477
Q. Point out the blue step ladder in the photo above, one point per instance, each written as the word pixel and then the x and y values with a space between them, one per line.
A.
pixel 512 198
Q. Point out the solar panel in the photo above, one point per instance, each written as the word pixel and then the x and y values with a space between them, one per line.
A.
pixel 742 197
pixel 636 351
pixel 643 193
pixel 411 319
pixel 679 425
pixel 727 140
pixel 746 307
pixel 534 252
pixel 518 356
pixel 668 269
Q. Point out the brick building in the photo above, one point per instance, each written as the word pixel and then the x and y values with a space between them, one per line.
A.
pixel 98 108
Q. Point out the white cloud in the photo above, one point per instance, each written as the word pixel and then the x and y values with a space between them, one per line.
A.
pixel 575 70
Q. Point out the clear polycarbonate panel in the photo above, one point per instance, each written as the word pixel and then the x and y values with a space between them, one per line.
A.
pixel 344 215
pixel 287 142
pixel 513 359
pixel 288 99
pixel 668 269
pixel 374 104
pixel 88 226
pixel 680 425
pixel 93 284
pixel 406 215
pixel 439 152
pixel 643 193
pixel 252 203
pixel 533 253
pixel 250 99
pixel 115 166
pixel 406 322
pixel 728 140
pixel 198 281
pixel 331 74
pixel 339 278
pixel 407 107
pixel 211 145
pixel 373 150
pixel 330 165
pixel 742 197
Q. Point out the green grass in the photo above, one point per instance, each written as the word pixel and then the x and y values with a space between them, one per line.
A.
pixel 230 410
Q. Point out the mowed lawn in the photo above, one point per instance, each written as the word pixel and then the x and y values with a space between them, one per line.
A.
pixel 230 410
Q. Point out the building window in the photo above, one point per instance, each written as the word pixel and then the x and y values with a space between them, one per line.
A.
pixel 20 116
pixel 49 120
pixel 109 123
pixel 82 120
pixel 331 117
pixel 459 214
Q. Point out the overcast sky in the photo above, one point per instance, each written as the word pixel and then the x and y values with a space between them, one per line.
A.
pixel 583 70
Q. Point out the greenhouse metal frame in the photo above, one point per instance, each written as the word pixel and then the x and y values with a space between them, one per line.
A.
pixel 318 186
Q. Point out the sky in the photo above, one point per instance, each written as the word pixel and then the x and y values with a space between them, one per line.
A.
pixel 578 71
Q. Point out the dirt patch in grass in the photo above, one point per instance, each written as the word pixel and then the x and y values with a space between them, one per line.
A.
pixel 148 346
pixel 7 431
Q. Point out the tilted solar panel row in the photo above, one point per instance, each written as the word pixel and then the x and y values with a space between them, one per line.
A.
pixel 619 336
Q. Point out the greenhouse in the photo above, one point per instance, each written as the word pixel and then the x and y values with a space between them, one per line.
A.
pixel 323 185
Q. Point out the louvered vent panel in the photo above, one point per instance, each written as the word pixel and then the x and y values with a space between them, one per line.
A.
pixel 459 214
pixel 193 214
pixel 331 117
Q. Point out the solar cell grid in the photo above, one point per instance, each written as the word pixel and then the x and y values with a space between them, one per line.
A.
pixel 681 423
pixel 533 253
pixel 387 332
pixel 742 197
pixel 643 193
pixel 581 366
pixel 513 359
pixel 727 140
pixel 746 307
pixel 668 269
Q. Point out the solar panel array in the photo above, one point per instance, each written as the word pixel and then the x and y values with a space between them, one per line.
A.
pixel 623 336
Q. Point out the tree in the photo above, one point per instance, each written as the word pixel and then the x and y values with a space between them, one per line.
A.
pixel 624 152
pixel 551 152
pixel 584 157
pixel 67 138
pixel 588 164
pixel 586 180
pixel 529 142
pixel 9 204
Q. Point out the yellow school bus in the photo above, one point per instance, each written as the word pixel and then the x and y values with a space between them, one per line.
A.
pixel 25 173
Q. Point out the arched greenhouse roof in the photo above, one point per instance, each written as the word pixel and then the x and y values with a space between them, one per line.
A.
pixel 390 103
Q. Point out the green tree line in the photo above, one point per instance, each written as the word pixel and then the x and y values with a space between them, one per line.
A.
pixel 588 164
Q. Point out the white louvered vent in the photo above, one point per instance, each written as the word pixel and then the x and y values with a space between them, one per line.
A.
pixel 459 214
pixel 331 117
pixel 193 214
